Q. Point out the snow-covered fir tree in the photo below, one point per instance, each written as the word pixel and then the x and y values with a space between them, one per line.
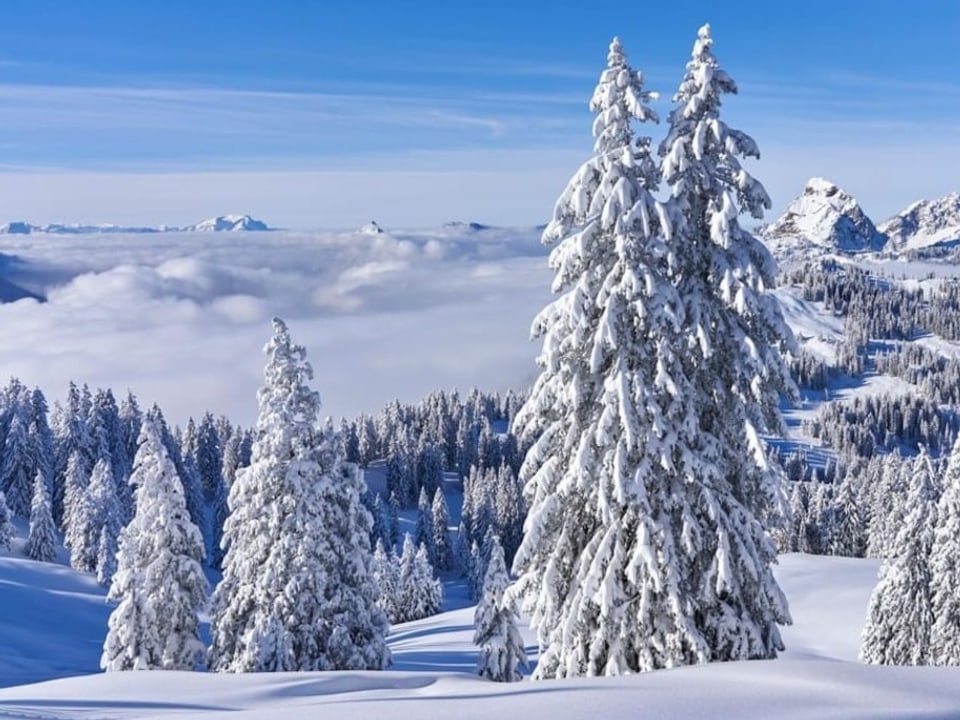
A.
pixel 900 616
pixel 441 531
pixel 7 528
pixel 502 653
pixel 80 515
pixel 298 591
pixel 103 522
pixel 425 534
pixel 42 540
pixel 945 569
pixel 644 546
pixel 419 593
pixel 17 466
pixel 159 583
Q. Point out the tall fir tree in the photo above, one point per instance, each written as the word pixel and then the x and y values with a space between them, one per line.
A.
pixel 298 591
pixel 644 546
pixel 731 357
pixel 18 462
pixel 945 568
pixel 425 531
pixel 104 521
pixel 900 616
pixel 159 583
pixel 79 516
pixel 42 540
pixel 7 528
pixel 502 654
pixel 441 531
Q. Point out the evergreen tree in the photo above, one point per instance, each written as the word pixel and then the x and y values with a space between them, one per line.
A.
pixel 159 582
pixel 7 529
pixel 209 456
pixel 42 540
pixel 185 467
pixel 17 468
pixel 849 533
pixel 425 535
pixel 40 438
pixel 71 438
pixel 104 521
pixel 644 546
pixel 945 569
pixel 80 516
pixel 441 531
pixel 386 572
pixel 394 503
pixel 420 594
pixel 900 616
pixel 380 531
pixel 502 653
pixel 298 591
pixel 109 444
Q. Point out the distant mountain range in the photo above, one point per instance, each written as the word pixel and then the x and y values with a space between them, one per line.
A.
pixel 221 223
pixel 825 217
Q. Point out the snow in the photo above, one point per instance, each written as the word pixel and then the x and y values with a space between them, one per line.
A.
pixel 924 223
pixel 53 620
pixel 827 217
pixel 817 330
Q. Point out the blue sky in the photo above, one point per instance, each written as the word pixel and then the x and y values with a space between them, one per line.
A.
pixel 327 114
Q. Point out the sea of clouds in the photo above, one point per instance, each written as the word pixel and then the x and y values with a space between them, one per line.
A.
pixel 181 318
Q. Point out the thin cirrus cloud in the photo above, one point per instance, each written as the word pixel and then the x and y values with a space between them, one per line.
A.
pixel 261 116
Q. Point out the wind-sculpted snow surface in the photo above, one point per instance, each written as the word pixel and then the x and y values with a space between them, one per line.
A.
pixel 433 679
pixel 179 317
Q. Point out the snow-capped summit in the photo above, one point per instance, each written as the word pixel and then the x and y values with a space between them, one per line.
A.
pixel 371 228
pixel 925 223
pixel 827 216
pixel 229 223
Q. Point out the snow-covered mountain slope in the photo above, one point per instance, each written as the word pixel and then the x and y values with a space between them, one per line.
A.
pixel 219 223
pixel 433 679
pixel 228 223
pixel 826 217
pixel 924 223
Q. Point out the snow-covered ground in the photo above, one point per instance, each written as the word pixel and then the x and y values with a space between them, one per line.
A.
pixel 52 621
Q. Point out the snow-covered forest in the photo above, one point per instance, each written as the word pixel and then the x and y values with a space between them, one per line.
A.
pixel 709 406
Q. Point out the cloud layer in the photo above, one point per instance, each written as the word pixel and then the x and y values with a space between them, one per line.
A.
pixel 181 319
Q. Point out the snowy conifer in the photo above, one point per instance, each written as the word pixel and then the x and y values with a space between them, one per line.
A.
pixel 502 653
pixel 420 594
pixel 159 582
pixel 900 616
pixel 945 569
pixel 42 540
pixel 425 534
pixel 441 531
pixel 298 591
pixel 17 466
pixel 386 572
pixel 7 529
pixel 643 545
pixel 104 521
pixel 80 516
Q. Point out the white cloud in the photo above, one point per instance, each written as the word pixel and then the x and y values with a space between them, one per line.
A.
pixel 181 318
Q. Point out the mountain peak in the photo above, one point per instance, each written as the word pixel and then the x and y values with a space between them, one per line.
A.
pixel 826 215
pixel 371 228
pixel 230 223
pixel 925 223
